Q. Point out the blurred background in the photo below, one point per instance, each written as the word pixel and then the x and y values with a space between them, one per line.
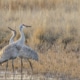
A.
pixel 55 32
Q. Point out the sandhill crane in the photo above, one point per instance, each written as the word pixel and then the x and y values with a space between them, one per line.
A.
pixel 10 42
pixel 13 46
pixel 21 41
pixel 8 52
pixel 11 51
pixel 27 53
pixel 18 49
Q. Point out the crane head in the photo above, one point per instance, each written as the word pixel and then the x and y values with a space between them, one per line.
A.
pixel 12 30
pixel 23 26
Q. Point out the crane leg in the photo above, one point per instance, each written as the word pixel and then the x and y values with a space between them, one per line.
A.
pixel 13 68
pixel 30 65
pixel 21 68
pixel 31 68
pixel 6 69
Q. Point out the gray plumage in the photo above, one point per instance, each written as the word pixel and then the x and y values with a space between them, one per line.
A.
pixel 10 42
pixel 11 50
pixel 8 52
pixel 28 53
pixel 13 35
pixel 18 49
pixel 25 51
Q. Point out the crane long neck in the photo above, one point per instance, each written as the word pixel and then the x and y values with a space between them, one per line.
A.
pixel 12 38
pixel 22 38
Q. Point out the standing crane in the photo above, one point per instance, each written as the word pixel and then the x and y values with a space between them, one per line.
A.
pixel 11 51
pixel 26 53
pixel 10 42
pixel 18 49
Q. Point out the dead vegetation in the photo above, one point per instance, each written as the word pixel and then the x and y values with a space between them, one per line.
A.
pixel 55 32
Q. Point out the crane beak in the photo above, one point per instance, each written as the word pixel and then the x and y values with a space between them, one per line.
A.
pixel 11 29
pixel 26 25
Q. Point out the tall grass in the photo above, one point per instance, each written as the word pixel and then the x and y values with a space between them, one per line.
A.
pixel 28 4
pixel 36 4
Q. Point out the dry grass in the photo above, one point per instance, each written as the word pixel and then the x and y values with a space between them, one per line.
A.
pixel 55 32
pixel 36 4
pixel 29 4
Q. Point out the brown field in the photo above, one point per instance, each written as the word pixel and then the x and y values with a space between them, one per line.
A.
pixel 55 33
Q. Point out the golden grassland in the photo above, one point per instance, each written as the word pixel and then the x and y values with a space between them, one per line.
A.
pixel 55 32
pixel 37 4
pixel 29 4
